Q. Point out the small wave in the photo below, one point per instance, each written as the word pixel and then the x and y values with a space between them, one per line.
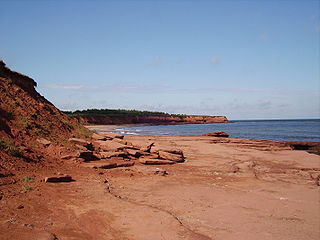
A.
pixel 130 133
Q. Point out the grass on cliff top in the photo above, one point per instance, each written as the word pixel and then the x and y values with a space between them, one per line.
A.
pixel 124 112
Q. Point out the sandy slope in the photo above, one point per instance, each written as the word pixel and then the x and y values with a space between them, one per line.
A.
pixel 240 189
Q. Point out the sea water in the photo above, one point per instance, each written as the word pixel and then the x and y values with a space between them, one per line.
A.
pixel 278 130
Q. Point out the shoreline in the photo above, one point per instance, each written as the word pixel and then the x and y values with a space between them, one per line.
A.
pixel 112 128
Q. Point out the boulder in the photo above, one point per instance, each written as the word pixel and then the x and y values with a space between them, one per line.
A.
pixel 141 145
pixel 134 152
pixel 147 147
pixel 97 136
pixel 166 149
pixel 78 141
pixel 150 155
pixel 154 161
pixel 82 148
pixel 118 140
pixel 171 156
pixel 161 172
pixel 112 135
pixel 112 146
pixel 44 141
pixel 108 165
pixel 59 178
pixel 217 134
pixel 88 156
pixel 113 154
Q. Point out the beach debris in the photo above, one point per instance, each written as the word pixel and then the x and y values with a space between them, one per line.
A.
pixel 171 156
pixel 154 161
pixel 147 147
pixel 113 164
pixel 88 145
pixel 113 154
pixel 120 141
pixel 134 153
pixel 111 136
pixel 141 145
pixel 111 146
pixel 161 172
pixel 283 198
pixel 59 178
pixel 97 136
pixel 88 156
pixel 217 134
pixel 20 206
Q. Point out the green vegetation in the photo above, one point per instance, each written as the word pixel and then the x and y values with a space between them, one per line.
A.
pixel 28 179
pixel 119 112
pixel 27 188
pixel 11 148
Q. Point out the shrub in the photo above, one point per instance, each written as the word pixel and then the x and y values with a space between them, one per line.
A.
pixel 27 188
pixel 28 179
pixel 11 148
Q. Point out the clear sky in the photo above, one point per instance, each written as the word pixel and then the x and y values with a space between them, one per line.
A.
pixel 255 59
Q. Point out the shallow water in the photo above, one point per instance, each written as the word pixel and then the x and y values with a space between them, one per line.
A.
pixel 279 130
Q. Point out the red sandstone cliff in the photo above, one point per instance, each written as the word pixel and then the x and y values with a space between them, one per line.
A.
pixel 100 119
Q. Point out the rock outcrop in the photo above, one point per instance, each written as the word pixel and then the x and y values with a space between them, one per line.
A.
pixel 217 134
pixel 158 120
pixel 110 153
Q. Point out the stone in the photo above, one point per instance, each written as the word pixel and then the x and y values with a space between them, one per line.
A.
pixel 147 147
pixel 155 161
pixel 125 164
pixel 44 141
pixel 60 178
pixel 112 146
pixel 88 145
pixel 134 153
pixel 70 156
pixel 141 145
pixel 105 165
pixel 171 156
pixel 161 172
pixel 108 165
pixel 112 135
pixel 82 148
pixel 88 156
pixel 217 134
pixel 97 136
pixel 166 149
pixel 79 141
pixel 120 141
pixel 113 154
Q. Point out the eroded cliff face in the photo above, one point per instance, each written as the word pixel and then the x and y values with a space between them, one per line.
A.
pixel 170 120
pixel 26 119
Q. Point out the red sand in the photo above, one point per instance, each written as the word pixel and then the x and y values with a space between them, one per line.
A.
pixel 239 189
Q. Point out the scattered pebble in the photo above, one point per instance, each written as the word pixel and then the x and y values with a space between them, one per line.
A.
pixel 20 206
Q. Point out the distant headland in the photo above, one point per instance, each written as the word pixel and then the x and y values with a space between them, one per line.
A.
pixel 122 116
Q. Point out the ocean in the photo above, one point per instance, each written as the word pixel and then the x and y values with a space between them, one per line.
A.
pixel 278 130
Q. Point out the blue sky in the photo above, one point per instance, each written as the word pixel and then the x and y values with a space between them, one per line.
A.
pixel 243 59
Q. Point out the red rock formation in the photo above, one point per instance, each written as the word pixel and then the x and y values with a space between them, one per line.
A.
pixel 100 119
